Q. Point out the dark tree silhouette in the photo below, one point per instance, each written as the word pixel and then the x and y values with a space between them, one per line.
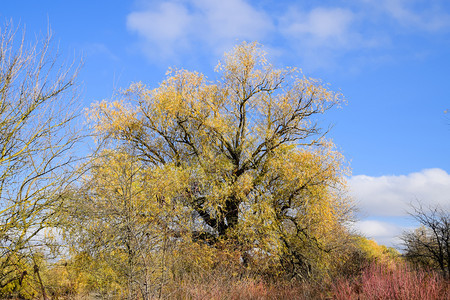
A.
pixel 429 245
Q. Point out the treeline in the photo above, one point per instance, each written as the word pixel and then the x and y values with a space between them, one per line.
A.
pixel 198 188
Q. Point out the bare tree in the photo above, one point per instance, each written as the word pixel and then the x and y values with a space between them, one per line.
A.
pixel 429 245
pixel 36 114
pixel 114 220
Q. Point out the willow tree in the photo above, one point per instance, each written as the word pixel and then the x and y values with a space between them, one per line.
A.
pixel 258 170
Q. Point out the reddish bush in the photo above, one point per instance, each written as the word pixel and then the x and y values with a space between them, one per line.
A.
pixel 381 281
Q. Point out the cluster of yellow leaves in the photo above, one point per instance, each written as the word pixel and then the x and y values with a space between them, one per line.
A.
pixel 115 118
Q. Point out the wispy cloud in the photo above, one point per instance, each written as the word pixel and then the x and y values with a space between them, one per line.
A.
pixel 173 27
pixel 392 195
pixel 330 27
pixel 319 35
pixel 417 14
pixel 163 28
pixel 94 49
pixel 233 19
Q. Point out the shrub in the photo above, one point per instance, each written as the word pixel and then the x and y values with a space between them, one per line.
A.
pixel 395 281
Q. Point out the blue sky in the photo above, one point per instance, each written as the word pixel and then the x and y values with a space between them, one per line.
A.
pixel 390 58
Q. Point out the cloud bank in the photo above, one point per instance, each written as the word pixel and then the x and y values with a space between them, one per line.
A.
pixel 392 195
pixel 386 200
pixel 385 233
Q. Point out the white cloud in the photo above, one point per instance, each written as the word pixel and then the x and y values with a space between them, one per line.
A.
pixel 233 19
pixel 374 228
pixel 392 195
pixel 167 23
pixel 321 35
pixel 164 28
pixel 176 26
pixel 322 26
pixel 385 201
pixel 384 233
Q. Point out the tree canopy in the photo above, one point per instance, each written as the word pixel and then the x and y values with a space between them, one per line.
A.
pixel 244 154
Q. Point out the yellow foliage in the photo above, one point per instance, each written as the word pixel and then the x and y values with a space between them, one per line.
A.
pixel 373 251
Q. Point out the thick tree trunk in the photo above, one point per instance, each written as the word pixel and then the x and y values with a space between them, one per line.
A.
pixel 230 216
pixel 232 211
